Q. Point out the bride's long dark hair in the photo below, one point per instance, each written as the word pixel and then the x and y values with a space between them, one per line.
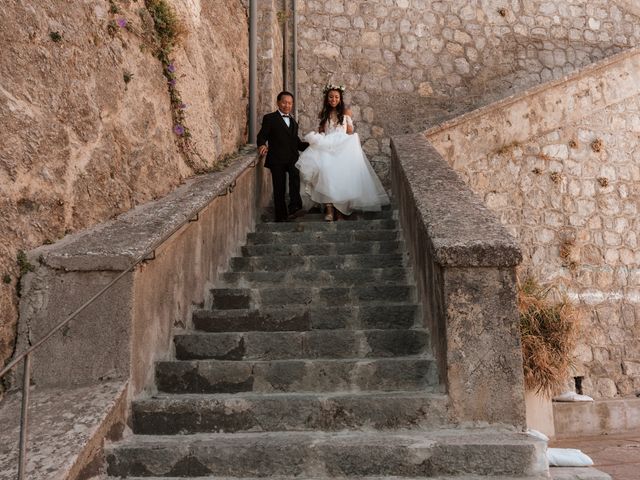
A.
pixel 326 108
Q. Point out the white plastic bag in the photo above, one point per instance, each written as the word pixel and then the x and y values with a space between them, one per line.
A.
pixel 567 457
pixel 572 397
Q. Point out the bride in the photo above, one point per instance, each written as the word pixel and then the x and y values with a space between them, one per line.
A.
pixel 334 169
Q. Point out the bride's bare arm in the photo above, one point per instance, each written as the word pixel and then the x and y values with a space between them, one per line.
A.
pixel 349 121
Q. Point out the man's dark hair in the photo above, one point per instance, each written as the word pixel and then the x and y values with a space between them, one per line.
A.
pixel 284 93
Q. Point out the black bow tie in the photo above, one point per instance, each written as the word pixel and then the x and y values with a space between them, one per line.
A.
pixel 284 115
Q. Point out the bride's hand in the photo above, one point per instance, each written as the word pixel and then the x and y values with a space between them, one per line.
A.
pixel 348 113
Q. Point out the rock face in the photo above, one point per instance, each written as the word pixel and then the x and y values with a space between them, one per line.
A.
pixel 86 115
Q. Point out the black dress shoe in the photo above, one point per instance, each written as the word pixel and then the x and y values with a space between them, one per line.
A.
pixel 298 213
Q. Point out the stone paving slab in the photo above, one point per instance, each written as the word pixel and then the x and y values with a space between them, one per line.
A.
pixel 617 454
pixel 64 426
pixel 577 473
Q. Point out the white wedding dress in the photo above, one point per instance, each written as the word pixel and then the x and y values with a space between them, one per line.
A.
pixel 334 169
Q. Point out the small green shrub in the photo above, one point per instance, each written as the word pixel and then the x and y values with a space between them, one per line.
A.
pixel 23 263
pixel 168 27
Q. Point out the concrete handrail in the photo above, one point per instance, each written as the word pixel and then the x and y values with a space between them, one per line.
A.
pixel 464 261
pixel 127 329
pixel 88 250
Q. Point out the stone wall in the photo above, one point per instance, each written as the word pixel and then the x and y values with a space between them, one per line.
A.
pixel 80 145
pixel 409 64
pixel 558 165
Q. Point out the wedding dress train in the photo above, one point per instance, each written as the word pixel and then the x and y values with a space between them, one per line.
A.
pixel 334 169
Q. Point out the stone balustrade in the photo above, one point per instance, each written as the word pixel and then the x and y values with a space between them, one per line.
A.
pixel 121 335
pixel 464 263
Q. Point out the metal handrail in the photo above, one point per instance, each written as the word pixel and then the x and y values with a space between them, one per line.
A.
pixel 149 254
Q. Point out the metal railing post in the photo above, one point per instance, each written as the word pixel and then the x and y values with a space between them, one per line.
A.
pixel 24 418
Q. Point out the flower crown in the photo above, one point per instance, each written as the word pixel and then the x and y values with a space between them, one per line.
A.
pixel 330 86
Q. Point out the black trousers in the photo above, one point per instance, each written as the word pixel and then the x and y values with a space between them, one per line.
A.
pixel 279 180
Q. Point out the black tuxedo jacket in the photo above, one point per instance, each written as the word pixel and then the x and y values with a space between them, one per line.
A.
pixel 283 141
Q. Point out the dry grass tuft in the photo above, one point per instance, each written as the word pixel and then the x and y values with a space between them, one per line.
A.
pixel 549 332
pixel 597 145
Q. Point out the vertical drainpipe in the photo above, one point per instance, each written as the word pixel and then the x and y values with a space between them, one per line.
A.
pixel 253 68
pixel 285 46
pixel 294 66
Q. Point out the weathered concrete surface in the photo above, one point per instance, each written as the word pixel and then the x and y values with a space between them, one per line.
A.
pixel 539 413
pixel 558 165
pixel 602 417
pixel 464 262
pixel 66 430
pixel 127 330
pixel 80 145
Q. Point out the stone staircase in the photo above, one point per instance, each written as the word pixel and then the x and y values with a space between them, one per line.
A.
pixel 312 363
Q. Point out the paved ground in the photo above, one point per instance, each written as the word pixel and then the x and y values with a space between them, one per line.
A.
pixel 617 454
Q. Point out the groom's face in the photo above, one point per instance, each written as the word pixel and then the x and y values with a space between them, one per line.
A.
pixel 285 104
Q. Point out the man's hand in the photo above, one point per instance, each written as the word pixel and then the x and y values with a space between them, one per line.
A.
pixel 262 150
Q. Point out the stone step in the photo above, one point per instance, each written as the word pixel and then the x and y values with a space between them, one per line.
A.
pixel 278 263
pixel 342 236
pixel 336 278
pixel 448 477
pixel 319 217
pixel 309 317
pixel 322 226
pixel 320 375
pixel 324 248
pixel 187 414
pixel 329 455
pixel 289 345
pixel 254 298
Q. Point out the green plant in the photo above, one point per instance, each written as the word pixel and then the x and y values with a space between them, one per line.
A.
pixel 169 30
pixel 23 263
pixel 549 331
pixel 127 77
pixel 112 27
pixel 6 278
pixel 55 36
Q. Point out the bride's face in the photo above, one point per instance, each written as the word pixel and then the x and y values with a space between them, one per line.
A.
pixel 333 98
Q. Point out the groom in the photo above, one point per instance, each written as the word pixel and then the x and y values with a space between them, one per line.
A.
pixel 278 138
